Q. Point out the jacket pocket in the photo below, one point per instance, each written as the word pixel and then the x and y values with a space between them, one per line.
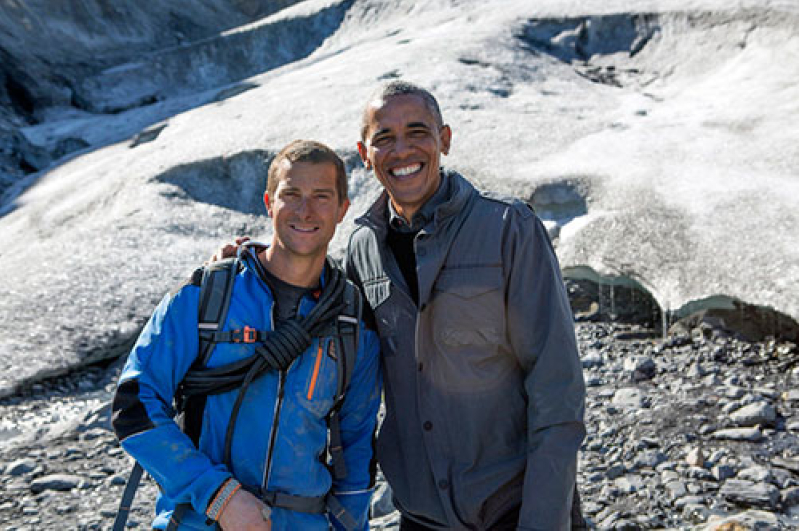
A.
pixel 320 356
pixel 316 386
pixel 469 282
pixel 469 307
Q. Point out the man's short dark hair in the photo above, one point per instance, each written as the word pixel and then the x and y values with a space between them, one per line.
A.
pixel 307 151
pixel 400 88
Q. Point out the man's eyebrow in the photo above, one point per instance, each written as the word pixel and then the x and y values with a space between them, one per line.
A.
pixel 416 125
pixel 379 132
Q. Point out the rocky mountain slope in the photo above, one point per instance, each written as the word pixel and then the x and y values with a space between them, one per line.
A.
pixel 656 140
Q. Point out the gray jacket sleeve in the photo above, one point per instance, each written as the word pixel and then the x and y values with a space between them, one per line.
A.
pixel 541 331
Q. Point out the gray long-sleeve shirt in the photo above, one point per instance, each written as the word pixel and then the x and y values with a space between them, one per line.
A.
pixel 483 384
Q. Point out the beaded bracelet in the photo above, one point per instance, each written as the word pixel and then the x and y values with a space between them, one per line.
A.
pixel 222 498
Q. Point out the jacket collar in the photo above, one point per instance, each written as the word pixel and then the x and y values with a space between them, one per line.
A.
pixel 458 194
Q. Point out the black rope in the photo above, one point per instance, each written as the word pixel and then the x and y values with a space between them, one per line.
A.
pixel 277 352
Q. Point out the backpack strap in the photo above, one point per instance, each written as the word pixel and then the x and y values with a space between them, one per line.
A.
pixel 127 497
pixel 216 290
pixel 347 339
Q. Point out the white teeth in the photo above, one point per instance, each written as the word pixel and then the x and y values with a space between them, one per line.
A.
pixel 300 229
pixel 407 170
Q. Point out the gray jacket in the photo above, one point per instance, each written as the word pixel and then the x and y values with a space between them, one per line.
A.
pixel 483 384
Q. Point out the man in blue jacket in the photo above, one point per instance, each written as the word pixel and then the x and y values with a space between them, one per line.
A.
pixel 280 436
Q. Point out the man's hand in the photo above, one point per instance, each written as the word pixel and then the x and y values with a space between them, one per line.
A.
pixel 228 250
pixel 243 512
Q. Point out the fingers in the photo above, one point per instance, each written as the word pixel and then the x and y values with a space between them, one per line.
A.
pixel 228 251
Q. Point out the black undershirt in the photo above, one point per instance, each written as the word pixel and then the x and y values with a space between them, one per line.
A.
pixel 287 296
pixel 401 244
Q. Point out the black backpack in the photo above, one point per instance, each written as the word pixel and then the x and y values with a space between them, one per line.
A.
pixel 216 282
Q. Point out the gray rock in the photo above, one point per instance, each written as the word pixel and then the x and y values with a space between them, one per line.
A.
pixel 695 457
pixel 688 500
pixel 109 511
pixel 783 478
pixel 748 493
pixel 592 358
pixel 722 472
pixel 20 467
pixel 790 497
pixel 695 512
pixel 629 397
pixel 755 474
pixel 668 475
pixel 733 392
pixel 753 520
pixel 700 473
pixel 757 413
pixel 615 471
pixel 118 479
pixel 650 459
pixel 716 455
pixel 629 483
pixel 738 434
pixel 695 372
pixel 58 482
pixel 788 463
pixel 640 368
pixel 677 489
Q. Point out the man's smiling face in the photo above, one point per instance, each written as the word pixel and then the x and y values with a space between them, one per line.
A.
pixel 305 209
pixel 403 144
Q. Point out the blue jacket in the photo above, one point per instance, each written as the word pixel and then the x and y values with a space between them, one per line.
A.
pixel 161 357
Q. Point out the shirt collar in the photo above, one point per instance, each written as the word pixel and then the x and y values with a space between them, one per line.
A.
pixel 425 214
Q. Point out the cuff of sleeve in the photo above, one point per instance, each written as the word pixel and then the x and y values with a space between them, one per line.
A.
pixel 221 499
pixel 356 504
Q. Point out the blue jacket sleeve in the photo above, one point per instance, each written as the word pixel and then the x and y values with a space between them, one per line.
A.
pixel 142 410
pixel 358 425
pixel 541 329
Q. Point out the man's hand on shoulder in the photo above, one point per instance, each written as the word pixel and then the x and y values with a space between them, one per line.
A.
pixel 228 250
pixel 243 512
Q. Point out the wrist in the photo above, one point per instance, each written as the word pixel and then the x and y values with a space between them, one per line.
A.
pixel 223 495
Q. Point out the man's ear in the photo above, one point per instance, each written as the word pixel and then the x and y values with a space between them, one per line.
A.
pixel 267 205
pixel 446 137
pixel 364 153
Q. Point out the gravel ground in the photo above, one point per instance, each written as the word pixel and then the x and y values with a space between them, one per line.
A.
pixel 698 430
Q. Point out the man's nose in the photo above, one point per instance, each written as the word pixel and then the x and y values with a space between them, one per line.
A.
pixel 402 145
pixel 304 206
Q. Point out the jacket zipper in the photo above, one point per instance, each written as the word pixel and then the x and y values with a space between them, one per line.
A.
pixel 273 432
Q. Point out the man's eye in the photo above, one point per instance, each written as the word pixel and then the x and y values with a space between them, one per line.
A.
pixel 381 141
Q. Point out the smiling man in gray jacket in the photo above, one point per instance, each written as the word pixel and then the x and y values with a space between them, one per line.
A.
pixel 483 384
